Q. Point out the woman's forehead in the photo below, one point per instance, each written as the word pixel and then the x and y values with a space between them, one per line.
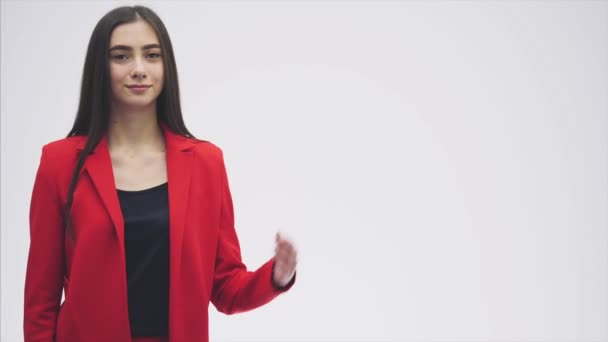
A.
pixel 136 34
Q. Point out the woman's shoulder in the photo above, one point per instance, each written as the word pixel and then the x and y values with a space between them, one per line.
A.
pixel 64 147
pixel 58 157
pixel 205 146
pixel 207 151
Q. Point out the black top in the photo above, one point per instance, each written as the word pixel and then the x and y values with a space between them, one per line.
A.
pixel 146 216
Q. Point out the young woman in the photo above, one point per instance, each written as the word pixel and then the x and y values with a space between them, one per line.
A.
pixel 131 215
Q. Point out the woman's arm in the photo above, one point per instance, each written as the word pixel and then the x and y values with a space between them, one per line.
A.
pixel 45 264
pixel 234 288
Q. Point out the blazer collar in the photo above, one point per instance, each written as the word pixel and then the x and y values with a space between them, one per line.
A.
pixel 179 161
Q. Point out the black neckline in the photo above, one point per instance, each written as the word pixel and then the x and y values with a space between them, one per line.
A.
pixel 156 187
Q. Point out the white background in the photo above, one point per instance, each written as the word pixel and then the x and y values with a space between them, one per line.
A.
pixel 441 166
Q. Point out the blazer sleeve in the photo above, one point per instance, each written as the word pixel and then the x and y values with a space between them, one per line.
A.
pixel 235 289
pixel 45 263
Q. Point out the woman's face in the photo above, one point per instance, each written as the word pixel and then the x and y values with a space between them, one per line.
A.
pixel 135 60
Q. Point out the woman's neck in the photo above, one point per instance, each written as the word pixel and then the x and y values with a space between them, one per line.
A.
pixel 135 130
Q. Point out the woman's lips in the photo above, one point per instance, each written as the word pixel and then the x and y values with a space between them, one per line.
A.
pixel 138 89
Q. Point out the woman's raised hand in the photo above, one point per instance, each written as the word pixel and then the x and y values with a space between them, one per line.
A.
pixel 285 261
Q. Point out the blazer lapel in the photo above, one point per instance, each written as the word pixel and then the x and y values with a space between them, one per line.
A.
pixel 179 170
pixel 99 168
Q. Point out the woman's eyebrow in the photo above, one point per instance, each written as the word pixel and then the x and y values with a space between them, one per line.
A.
pixel 128 48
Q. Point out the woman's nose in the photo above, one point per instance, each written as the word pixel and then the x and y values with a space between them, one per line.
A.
pixel 139 70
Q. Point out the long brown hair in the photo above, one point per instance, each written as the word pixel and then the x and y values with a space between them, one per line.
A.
pixel 92 118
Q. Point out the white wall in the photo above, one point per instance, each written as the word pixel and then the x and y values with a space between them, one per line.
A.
pixel 442 166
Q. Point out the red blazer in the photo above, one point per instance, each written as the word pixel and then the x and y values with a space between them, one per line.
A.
pixel 205 258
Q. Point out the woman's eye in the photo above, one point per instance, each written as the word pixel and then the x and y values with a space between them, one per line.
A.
pixel 120 57
pixel 154 55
